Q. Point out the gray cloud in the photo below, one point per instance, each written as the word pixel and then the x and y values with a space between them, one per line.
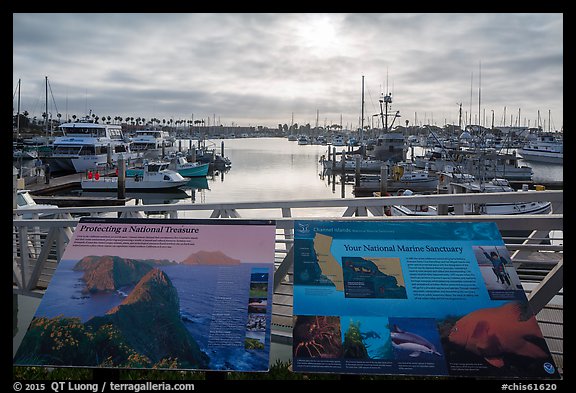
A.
pixel 259 69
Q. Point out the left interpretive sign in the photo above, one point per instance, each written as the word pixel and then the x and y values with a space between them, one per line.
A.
pixel 183 294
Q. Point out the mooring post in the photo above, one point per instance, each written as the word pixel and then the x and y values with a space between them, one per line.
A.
pixel 121 178
pixel 383 180
pixel 358 163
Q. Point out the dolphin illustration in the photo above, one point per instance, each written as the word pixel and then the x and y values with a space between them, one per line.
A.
pixel 411 342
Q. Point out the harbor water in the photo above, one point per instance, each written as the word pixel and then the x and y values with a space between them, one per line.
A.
pixel 275 169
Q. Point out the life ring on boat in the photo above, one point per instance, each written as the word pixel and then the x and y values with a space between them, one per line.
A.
pixel 97 176
pixel 89 176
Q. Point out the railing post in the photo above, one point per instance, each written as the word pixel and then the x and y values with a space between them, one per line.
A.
pixel 547 288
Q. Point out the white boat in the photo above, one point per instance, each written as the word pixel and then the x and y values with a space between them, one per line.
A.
pixel 499 185
pixel 85 144
pixel 338 140
pixel 546 148
pixel 149 142
pixel 155 177
pixel 303 140
pixel 474 186
pixel 24 202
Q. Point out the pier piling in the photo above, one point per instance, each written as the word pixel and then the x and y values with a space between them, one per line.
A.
pixel 121 178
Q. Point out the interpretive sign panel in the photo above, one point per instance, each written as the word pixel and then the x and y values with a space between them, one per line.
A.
pixel 158 293
pixel 411 298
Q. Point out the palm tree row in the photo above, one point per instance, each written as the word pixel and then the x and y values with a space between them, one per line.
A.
pixel 25 121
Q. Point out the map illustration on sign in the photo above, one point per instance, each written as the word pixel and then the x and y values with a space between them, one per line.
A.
pixel 158 293
pixel 412 299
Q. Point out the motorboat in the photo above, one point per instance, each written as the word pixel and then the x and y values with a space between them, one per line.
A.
pixel 25 202
pixel 303 140
pixel 155 177
pixel 467 184
pixel 546 148
pixel 178 164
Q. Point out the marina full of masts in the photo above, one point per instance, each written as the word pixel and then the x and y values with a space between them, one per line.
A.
pixel 408 157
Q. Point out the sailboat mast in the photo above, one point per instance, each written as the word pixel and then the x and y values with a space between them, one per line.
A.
pixel 479 90
pixel 18 112
pixel 362 121
pixel 46 119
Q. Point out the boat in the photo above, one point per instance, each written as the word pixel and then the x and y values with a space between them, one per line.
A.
pixel 178 164
pixel 155 177
pixel 546 148
pixel 292 138
pixel 485 163
pixel 498 185
pixel 321 140
pixel 403 176
pixel 338 140
pixel 303 140
pixel 465 183
pixel 367 164
pixel 390 145
pixel 149 143
pixel 188 169
pixel 25 201
pixel 86 144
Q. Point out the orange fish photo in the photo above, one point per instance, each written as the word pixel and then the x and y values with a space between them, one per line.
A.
pixel 504 340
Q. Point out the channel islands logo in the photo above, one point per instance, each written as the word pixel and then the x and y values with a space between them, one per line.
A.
pixel 303 228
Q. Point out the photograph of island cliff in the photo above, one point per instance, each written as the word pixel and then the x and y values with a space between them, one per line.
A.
pixel 115 311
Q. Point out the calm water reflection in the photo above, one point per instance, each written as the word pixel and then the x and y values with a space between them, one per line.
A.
pixel 272 169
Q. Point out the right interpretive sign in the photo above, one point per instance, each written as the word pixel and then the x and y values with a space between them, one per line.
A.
pixel 415 298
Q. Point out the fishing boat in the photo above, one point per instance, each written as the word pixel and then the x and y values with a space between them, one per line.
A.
pixel 390 145
pixel 85 144
pixel 155 177
pixel 178 164
pixel 546 148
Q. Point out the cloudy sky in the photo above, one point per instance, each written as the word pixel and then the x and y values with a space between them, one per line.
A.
pixel 265 69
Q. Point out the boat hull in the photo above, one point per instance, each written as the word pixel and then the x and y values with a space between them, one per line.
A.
pixel 549 158
pixel 195 171
pixel 111 183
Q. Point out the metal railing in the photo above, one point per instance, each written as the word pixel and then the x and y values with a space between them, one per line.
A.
pixel 38 243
